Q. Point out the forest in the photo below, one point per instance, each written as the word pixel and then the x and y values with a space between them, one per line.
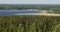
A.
pixel 29 24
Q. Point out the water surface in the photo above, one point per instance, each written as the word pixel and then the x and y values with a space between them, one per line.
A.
pixel 13 12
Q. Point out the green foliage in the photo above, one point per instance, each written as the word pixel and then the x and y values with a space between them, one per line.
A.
pixel 21 6
pixel 56 10
pixel 29 24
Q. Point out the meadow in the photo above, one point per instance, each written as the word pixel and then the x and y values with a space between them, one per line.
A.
pixel 29 24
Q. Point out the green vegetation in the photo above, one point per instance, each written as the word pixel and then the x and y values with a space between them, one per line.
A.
pixel 29 24
pixel 55 8
pixel 25 6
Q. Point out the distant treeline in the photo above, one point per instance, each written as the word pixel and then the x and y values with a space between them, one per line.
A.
pixel 29 24
pixel 16 6
pixel 55 8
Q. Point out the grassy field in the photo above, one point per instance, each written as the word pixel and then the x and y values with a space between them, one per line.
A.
pixel 29 24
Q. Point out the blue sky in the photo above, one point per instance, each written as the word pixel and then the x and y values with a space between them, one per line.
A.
pixel 29 1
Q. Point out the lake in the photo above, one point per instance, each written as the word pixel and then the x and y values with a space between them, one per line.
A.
pixel 18 12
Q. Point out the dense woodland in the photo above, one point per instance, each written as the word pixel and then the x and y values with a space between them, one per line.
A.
pixel 29 24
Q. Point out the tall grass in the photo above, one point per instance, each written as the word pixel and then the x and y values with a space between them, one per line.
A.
pixel 29 24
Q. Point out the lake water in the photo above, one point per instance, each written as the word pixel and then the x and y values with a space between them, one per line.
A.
pixel 17 12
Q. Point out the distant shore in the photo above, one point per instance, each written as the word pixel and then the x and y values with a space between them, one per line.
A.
pixel 43 14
